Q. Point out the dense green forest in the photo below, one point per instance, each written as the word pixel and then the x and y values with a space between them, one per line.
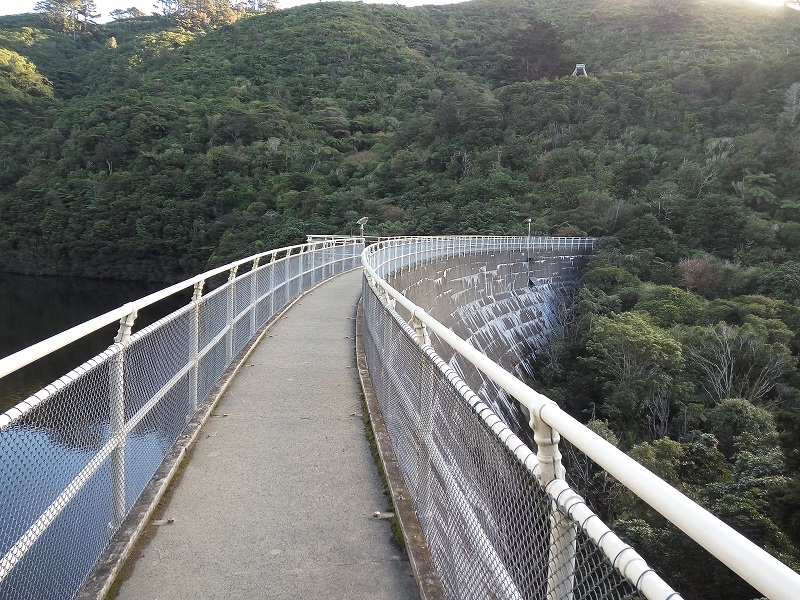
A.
pixel 150 148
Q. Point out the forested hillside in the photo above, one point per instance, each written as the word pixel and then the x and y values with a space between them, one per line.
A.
pixel 144 150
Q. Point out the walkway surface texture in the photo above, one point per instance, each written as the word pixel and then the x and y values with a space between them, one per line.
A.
pixel 278 495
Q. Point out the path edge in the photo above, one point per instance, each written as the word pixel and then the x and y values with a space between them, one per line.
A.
pixel 419 555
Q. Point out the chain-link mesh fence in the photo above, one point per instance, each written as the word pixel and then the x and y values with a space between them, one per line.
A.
pixel 488 522
pixel 494 532
pixel 76 456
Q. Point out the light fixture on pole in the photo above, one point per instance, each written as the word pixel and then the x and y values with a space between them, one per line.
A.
pixel 528 260
pixel 362 221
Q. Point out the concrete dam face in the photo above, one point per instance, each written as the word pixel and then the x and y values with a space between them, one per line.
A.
pixel 507 304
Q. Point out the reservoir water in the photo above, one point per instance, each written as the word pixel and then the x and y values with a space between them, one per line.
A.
pixel 38 462
pixel 35 308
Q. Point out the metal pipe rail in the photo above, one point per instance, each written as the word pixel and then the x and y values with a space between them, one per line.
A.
pixel 76 455
pixel 26 356
pixel 391 254
pixel 760 569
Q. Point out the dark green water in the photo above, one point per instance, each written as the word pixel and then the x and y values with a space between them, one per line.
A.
pixel 35 308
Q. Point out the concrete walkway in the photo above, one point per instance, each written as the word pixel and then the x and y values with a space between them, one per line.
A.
pixel 278 495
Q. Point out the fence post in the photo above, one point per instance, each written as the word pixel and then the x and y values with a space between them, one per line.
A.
pixel 426 409
pixel 423 338
pixel 561 558
pixel 272 285
pixel 117 420
pixel 229 315
pixel 301 270
pixel 328 254
pixel 197 294
pixel 253 296
pixel 386 299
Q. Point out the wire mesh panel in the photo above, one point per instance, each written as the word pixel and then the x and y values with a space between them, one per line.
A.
pixel 265 297
pixel 318 260
pixel 265 281
pixel 243 292
pixel 158 400
pixel 595 577
pixel 241 321
pixel 306 271
pixel 76 457
pixel 47 450
pixel 281 276
pixel 213 316
pixel 212 351
pixel 211 365
pixel 294 275
pixel 153 358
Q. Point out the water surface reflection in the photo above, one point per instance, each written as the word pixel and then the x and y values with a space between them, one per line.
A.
pixel 35 308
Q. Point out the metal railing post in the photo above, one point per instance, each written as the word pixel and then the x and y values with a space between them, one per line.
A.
pixel 386 299
pixel 117 421
pixel 272 286
pixel 328 253
pixel 197 295
pixel 561 557
pixel 423 338
pixel 312 265
pixel 229 315
pixel 301 275
pixel 253 296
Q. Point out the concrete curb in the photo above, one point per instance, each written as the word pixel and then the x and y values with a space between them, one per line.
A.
pixel 428 580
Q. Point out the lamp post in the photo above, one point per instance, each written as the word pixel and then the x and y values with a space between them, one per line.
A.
pixel 362 221
pixel 528 258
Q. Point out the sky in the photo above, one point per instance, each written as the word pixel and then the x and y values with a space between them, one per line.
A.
pixel 13 7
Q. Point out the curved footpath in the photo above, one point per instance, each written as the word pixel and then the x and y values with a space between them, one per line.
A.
pixel 277 498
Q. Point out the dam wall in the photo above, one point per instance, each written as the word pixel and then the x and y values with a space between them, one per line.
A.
pixel 508 304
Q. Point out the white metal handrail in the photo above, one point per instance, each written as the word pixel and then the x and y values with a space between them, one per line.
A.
pixel 756 566
pixel 26 356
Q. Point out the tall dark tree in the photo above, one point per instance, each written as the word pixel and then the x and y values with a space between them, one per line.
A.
pixel 87 13
pixel 535 51
pixel 167 7
pixel 259 6
pixel 192 14
pixel 68 16
pixel 59 15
